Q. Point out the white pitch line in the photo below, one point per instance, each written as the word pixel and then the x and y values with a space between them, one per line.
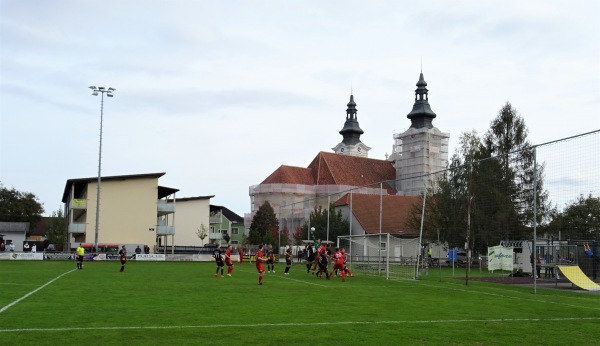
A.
pixel 37 289
pixel 302 324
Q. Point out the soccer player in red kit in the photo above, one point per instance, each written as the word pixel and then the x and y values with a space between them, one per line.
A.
pixel 228 260
pixel 344 255
pixel 338 264
pixel 241 254
pixel 259 264
pixel 322 251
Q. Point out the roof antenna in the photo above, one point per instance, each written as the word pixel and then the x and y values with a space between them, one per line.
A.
pixel 421 64
pixel 351 87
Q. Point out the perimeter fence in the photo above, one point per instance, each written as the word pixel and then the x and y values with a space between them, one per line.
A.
pixel 542 195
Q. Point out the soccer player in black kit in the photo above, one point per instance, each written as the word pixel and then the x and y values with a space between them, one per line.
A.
pixel 288 259
pixel 270 259
pixel 310 257
pixel 123 257
pixel 218 259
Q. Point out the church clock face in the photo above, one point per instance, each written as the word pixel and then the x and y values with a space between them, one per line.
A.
pixel 359 149
pixel 342 150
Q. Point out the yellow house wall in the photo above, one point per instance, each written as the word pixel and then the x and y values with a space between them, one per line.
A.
pixel 189 215
pixel 127 210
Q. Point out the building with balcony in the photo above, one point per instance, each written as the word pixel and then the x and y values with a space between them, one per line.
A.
pixel 134 210
pixel 223 223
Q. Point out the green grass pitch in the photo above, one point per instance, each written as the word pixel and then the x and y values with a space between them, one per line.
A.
pixel 182 303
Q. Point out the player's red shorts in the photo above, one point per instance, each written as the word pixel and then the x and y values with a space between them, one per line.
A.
pixel 338 265
pixel 260 267
pixel 228 262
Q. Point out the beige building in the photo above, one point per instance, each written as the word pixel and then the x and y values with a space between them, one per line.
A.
pixel 192 212
pixel 134 210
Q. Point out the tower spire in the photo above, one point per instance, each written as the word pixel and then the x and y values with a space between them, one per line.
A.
pixel 421 114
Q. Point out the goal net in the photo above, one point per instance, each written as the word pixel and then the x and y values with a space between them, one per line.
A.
pixel 381 255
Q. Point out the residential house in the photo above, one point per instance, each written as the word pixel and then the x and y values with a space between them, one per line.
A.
pixel 225 222
pixel 192 213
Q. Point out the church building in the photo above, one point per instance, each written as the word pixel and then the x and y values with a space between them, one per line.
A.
pixel 337 177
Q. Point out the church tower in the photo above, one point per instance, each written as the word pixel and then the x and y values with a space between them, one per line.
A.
pixel 351 144
pixel 420 150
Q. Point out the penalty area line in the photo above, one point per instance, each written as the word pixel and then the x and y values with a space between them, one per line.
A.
pixel 301 324
pixel 37 289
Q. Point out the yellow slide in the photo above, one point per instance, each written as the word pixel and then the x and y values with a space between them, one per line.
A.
pixel 577 277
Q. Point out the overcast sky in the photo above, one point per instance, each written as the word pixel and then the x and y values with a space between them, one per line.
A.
pixel 219 94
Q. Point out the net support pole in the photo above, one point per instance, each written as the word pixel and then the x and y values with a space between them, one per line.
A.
pixel 420 236
pixel 534 254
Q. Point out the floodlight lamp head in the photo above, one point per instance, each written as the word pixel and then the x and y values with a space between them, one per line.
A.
pixel 92 87
pixel 95 93
pixel 111 89
pixel 101 88
pixel 109 95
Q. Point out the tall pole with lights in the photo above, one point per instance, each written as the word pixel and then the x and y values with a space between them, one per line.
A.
pixel 109 93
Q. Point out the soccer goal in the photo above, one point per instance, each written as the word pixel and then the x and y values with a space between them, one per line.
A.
pixel 381 255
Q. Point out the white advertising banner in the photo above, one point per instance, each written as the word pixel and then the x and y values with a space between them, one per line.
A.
pixel 500 257
pixel 27 256
pixel 150 257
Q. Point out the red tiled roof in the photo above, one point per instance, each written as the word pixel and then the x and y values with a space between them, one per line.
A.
pixel 336 169
pixel 395 212
pixel 290 175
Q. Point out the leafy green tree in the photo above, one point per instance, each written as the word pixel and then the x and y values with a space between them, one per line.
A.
pixel 318 219
pixel 579 220
pixel 18 206
pixel 226 237
pixel 264 224
pixel 57 230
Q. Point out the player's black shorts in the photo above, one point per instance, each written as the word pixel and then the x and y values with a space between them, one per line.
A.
pixel 220 263
pixel 288 261
pixel 80 258
pixel 269 261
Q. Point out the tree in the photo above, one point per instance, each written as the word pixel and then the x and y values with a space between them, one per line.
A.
pixel 202 232
pixel 506 139
pixel 226 237
pixel 57 230
pixel 263 224
pixel 579 220
pixel 17 206
pixel 297 236
pixel 319 220
pixel 486 195
pixel 285 236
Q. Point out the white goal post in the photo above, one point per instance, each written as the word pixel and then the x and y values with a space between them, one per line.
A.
pixel 381 255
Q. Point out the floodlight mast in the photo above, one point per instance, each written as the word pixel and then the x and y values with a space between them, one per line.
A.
pixel 102 91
